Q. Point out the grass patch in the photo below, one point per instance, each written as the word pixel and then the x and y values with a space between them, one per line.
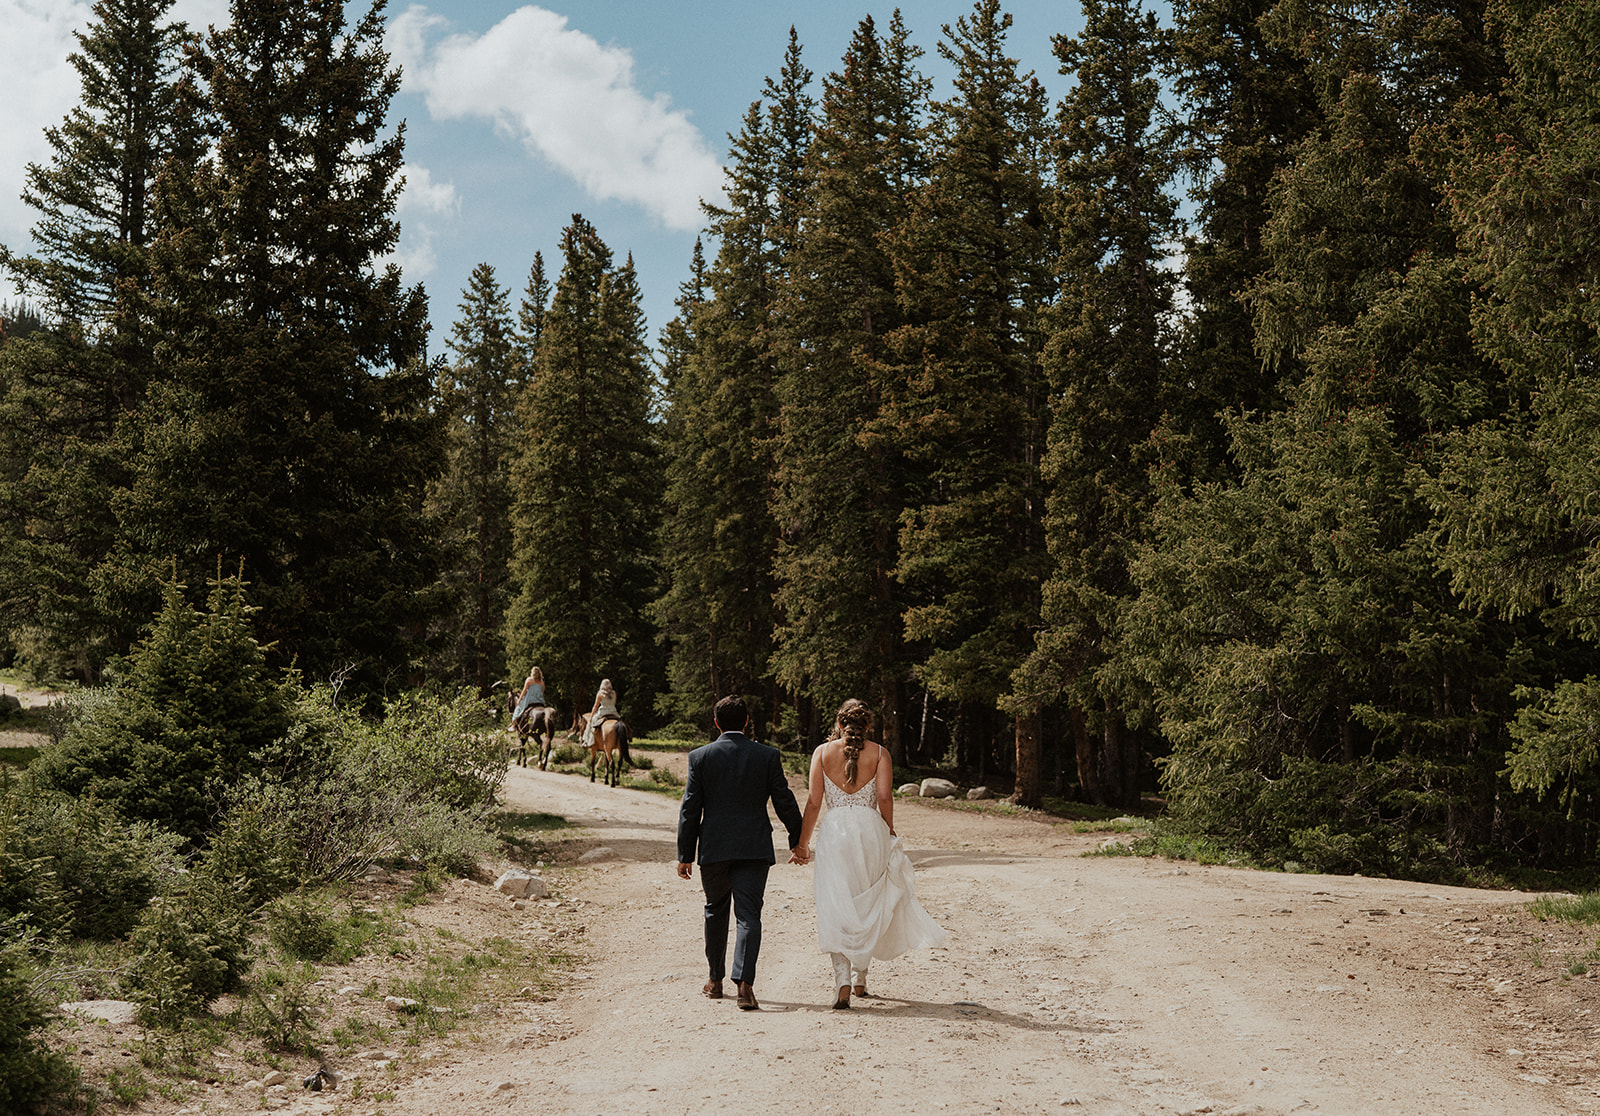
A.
pixel 656 780
pixel 529 822
pixel 17 757
pixel 1567 908
pixel 1171 845
pixel 521 834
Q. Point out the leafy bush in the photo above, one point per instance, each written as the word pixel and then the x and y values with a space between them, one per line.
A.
pixel 446 750
pixel 30 1073
pixel 415 785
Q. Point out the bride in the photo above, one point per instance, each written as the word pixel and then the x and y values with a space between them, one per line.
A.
pixel 865 895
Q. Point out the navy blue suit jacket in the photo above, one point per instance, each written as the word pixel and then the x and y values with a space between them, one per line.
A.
pixel 724 808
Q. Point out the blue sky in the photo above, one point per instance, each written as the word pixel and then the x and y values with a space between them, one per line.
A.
pixel 518 116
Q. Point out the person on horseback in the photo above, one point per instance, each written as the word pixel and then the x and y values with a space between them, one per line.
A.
pixel 605 709
pixel 532 696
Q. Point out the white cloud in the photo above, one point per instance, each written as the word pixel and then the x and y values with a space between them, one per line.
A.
pixel 569 99
pixel 423 202
pixel 422 195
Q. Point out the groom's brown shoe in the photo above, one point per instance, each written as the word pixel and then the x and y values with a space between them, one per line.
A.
pixel 747 997
pixel 713 989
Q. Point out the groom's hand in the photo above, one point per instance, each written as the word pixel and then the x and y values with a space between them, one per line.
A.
pixel 684 870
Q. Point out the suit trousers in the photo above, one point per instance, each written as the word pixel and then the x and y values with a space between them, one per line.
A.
pixel 740 884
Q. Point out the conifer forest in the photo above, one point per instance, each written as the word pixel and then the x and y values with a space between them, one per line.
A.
pixel 1227 431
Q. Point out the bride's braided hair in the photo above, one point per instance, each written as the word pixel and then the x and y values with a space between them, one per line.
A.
pixel 852 724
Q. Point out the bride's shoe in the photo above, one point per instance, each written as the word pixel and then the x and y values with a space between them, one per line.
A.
pixel 842 1000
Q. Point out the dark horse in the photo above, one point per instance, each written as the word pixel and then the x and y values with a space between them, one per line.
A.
pixel 539 723
pixel 610 745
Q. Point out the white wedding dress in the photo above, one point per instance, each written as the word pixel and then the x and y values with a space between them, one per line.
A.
pixel 866 897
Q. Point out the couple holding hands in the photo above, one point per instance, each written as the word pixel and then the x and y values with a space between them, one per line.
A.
pixel 865 895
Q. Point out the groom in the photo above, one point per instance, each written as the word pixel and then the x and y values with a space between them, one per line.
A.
pixel 725 811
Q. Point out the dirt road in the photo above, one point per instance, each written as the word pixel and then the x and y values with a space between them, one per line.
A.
pixel 1084 985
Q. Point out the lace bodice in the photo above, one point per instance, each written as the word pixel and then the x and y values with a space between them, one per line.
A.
pixel 866 794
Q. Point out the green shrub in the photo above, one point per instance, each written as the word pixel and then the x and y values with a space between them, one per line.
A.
pixel 179 969
pixel 301 928
pixel 282 1008
pixel 191 945
pixel 416 785
pixel 197 704
pixel 446 750
pixel 73 867
pixel 30 1073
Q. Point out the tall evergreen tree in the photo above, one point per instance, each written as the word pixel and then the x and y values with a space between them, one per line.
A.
pixel 290 426
pixel 972 267
pixel 1246 100
pixel 62 393
pixel 530 315
pixel 472 502
pixel 1107 355
pixel 840 486
pixel 1328 698
pixel 585 489
pixel 1518 495
pixel 719 602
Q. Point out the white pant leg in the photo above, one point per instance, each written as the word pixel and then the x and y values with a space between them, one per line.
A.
pixel 841 969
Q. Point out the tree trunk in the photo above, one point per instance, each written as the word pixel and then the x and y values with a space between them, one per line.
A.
pixel 1120 762
pixel 1088 765
pixel 889 723
pixel 1026 791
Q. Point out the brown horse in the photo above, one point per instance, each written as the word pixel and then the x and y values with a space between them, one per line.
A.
pixel 539 723
pixel 610 745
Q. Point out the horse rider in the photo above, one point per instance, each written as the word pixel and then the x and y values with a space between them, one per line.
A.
pixel 532 696
pixel 605 709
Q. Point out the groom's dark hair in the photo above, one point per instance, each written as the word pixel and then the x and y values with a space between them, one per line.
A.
pixel 730 715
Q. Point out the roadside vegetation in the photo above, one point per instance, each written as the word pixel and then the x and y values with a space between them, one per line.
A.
pixel 202 839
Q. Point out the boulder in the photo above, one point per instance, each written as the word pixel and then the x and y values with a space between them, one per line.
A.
pixel 603 852
pixel 978 794
pixel 908 788
pixel 10 705
pixel 522 884
pixel 112 1011
pixel 938 788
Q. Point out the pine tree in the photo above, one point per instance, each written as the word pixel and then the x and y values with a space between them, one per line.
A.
pixel 972 267
pixel 290 426
pixel 1328 699
pixel 65 389
pixel 530 315
pixel 1517 496
pixel 1246 99
pixel 1107 355
pixel 472 502
pixel 840 487
pixel 719 600
pixel 585 487
pixel 196 712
